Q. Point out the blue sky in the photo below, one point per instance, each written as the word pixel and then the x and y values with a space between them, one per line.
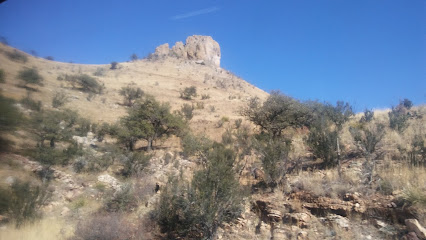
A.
pixel 370 53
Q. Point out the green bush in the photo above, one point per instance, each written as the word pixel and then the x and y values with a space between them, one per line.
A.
pixel 205 96
pixel 130 95
pixel 59 99
pixel 134 163
pixel 30 76
pixel 323 142
pixel 188 93
pixel 133 57
pixel 17 56
pixel 124 200
pixel 213 197
pixel 22 201
pixel 195 145
pixel 10 118
pixel 2 76
pixel 399 115
pixel 85 83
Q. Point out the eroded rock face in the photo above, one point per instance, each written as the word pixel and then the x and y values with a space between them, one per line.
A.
pixel 202 49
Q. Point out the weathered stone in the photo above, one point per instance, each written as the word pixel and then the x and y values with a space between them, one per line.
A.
pixel 178 50
pixel 301 220
pixel 410 236
pixel 203 48
pixel 340 221
pixel 65 211
pixel 414 226
pixel 110 181
pixel 162 50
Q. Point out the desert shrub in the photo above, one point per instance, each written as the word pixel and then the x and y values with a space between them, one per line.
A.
pixel 4 41
pixel 188 93
pixel 199 105
pixel 367 117
pixel 212 108
pixel 100 72
pixel 101 131
pixel 187 111
pixel 50 58
pixel 85 83
pixel 222 121
pixel 415 195
pixel 238 123
pixel 399 115
pixel 22 201
pixel 323 142
pixel 104 226
pixel 227 137
pixel 130 95
pixel 274 156
pixel 17 56
pixel 59 99
pixel 30 103
pixel 367 138
pixel 195 145
pixel 2 76
pixel 213 197
pixel 134 163
pixel 417 154
pixel 10 118
pixel 122 200
pixel 114 65
pixel 133 57
pixel 30 76
pixel 205 96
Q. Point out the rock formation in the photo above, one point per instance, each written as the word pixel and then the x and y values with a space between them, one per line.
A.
pixel 198 48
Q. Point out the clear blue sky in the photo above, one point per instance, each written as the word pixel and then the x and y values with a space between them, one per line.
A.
pixel 370 53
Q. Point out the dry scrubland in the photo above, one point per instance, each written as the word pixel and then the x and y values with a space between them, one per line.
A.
pixel 155 194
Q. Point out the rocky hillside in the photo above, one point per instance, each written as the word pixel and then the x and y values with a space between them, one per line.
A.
pixel 273 173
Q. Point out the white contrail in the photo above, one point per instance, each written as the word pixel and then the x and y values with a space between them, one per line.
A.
pixel 195 13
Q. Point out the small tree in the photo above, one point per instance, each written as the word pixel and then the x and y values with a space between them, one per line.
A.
pixel 30 76
pixel 149 120
pixel 277 113
pixel 188 93
pixel 50 58
pixel 10 118
pixel 130 95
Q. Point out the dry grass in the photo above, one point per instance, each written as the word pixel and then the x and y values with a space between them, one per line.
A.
pixel 45 229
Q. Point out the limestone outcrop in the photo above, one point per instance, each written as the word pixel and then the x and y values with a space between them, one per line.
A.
pixel 197 48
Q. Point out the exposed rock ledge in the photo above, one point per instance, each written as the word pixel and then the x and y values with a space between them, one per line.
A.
pixel 202 49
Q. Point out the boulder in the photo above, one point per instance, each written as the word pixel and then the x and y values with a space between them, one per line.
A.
pixel 414 226
pixel 110 181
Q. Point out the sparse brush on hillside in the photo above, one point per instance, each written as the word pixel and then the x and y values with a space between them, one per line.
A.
pixel 187 111
pixel 17 56
pixel 22 201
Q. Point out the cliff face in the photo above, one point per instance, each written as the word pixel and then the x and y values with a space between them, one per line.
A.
pixel 197 48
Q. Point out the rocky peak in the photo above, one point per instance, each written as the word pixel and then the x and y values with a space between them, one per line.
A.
pixel 197 48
